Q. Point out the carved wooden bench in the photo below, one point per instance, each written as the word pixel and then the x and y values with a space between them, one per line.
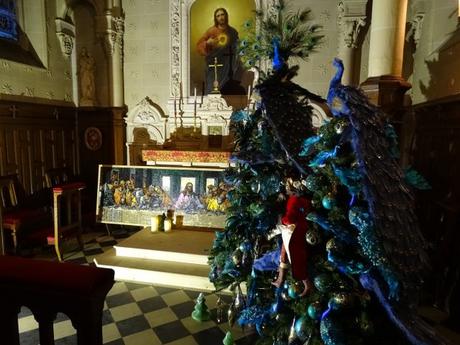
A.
pixel 46 288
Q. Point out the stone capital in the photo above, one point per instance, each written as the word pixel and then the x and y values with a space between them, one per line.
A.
pixel 111 30
pixel 350 28
pixel 65 32
pixel 416 25
pixel 351 8
pixel 351 18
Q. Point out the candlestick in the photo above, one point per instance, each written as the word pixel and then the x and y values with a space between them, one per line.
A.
pixel 194 108
pixel 175 111
pixel 202 92
pixel 249 95
pixel 181 99
pixel 154 224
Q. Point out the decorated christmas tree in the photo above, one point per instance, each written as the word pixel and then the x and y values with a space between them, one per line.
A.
pixel 321 231
pixel 228 339
pixel 201 312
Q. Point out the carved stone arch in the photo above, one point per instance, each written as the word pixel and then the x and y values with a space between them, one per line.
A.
pixel 64 8
pixel 146 114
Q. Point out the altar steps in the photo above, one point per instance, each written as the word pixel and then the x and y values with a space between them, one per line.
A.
pixel 178 258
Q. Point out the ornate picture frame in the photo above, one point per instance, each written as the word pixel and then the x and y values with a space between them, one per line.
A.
pixel 93 138
pixel 133 195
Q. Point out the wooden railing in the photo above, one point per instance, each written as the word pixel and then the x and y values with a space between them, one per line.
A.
pixel 46 288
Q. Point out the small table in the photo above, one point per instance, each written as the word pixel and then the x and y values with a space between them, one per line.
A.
pixel 71 194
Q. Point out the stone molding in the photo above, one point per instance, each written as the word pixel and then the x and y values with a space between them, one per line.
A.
pixel 416 26
pixel 65 32
pixel 351 18
pixel 146 114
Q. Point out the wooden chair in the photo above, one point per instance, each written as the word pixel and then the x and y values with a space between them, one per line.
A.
pixel 20 220
pixel 70 195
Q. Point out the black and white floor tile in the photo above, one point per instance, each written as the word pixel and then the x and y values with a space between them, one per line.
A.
pixel 136 314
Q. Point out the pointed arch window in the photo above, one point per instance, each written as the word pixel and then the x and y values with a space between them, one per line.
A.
pixel 8 21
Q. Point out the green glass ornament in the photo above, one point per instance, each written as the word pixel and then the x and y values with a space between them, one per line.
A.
pixel 323 282
pixel 328 202
pixel 332 245
pixel 228 340
pixel 201 312
pixel 343 300
pixel 315 310
pixel 312 237
pixel 295 289
pixel 312 183
pixel 302 327
pixel 285 296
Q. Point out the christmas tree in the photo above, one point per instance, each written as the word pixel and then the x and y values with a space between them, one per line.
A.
pixel 352 273
pixel 228 340
pixel 201 312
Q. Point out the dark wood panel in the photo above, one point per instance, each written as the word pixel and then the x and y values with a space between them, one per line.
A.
pixel 38 137
pixel 435 153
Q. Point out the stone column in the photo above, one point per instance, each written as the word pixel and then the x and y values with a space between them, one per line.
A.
pixel 387 37
pixel 385 86
pixel 112 36
pixel 351 18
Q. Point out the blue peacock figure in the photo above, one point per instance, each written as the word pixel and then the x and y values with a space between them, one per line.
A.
pixel 366 211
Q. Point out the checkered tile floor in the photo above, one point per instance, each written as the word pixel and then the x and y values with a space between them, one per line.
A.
pixel 136 314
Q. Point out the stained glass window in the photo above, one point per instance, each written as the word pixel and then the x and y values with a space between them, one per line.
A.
pixel 8 28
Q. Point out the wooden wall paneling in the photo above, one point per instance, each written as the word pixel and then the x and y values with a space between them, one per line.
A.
pixel 49 149
pixel 24 158
pixel 10 163
pixel 436 155
pixel 35 138
pixel 37 158
pixel 59 143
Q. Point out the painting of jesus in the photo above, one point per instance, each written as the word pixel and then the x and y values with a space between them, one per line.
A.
pixel 214 59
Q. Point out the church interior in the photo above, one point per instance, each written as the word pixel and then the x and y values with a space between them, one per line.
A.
pixel 117 136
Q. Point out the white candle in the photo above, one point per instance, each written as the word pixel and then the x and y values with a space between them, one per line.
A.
pixel 249 94
pixel 168 225
pixel 175 108
pixel 194 107
pixel 154 224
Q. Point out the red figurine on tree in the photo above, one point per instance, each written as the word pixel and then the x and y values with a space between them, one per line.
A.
pixel 294 227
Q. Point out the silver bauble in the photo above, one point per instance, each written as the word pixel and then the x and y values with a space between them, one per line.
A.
pixel 312 237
